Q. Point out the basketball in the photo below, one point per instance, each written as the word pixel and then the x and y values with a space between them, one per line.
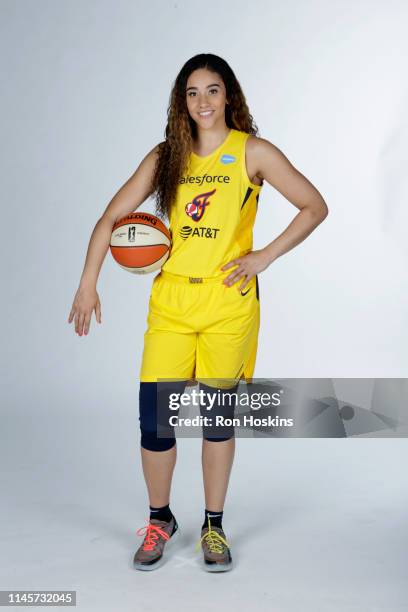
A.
pixel 191 208
pixel 140 243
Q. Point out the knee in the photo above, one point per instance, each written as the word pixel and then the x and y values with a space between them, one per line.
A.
pixel 221 411
pixel 209 439
pixel 150 441
pixel 153 418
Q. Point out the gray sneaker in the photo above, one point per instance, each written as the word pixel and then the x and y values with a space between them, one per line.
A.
pixel 149 555
pixel 216 552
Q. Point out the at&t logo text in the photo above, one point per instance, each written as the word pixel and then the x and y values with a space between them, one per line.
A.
pixel 199 232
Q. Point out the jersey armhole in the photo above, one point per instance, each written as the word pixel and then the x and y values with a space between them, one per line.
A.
pixel 243 165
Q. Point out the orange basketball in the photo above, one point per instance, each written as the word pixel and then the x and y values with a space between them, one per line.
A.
pixel 140 243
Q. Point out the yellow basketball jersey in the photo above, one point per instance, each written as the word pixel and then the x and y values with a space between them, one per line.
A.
pixel 212 218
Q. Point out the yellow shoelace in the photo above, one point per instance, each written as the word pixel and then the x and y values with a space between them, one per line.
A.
pixel 213 539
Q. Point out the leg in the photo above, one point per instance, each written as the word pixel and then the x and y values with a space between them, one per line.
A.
pixel 217 459
pixel 158 470
pixel 226 352
pixel 169 352
pixel 218 446
pixel 158 453
pixel 222 360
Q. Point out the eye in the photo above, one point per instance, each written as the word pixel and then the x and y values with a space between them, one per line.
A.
pixel 191 93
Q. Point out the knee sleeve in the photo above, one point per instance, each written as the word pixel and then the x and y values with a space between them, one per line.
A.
pixel 154 414
pixel 224 407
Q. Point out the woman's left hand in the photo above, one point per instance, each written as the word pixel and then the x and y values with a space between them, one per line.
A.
pixel 248 266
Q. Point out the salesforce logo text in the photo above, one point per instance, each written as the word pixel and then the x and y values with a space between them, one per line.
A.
pixel 204 178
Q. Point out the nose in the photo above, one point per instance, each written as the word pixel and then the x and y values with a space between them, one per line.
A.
pixel 203 99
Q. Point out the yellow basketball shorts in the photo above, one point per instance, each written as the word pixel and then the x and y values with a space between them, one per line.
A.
pixel 202 329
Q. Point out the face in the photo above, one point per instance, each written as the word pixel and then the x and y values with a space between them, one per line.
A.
pixel 206 93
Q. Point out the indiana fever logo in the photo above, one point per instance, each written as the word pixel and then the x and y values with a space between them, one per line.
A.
pixel 196 208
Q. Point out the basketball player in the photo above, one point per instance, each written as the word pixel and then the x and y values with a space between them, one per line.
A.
pixel 204 309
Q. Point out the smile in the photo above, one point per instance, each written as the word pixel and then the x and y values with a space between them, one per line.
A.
pixel 205 113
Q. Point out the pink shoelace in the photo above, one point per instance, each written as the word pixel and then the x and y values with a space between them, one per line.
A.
pixel 152 533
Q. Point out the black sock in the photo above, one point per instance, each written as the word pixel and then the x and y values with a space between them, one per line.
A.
pixel 215 518
pixel 162 514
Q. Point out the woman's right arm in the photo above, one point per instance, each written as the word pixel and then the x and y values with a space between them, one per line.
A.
pixel 129 197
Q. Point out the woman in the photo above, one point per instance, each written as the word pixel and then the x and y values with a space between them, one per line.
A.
pixel 203 316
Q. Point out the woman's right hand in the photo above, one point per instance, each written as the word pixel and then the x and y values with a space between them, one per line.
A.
pixel 85 302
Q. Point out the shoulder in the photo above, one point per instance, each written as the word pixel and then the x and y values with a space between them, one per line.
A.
pixel 264 155
pixel 258 146
pixel 151 156
pixel 147 166
pixel 157 148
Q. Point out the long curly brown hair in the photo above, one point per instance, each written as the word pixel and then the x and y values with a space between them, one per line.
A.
pixel 174 152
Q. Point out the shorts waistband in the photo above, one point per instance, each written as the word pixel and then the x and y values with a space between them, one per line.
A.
pixel 190 280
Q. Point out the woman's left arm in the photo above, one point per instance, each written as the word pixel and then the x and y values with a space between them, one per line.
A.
pixel 271 165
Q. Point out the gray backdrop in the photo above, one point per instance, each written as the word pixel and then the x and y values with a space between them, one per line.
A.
pixel 313 524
